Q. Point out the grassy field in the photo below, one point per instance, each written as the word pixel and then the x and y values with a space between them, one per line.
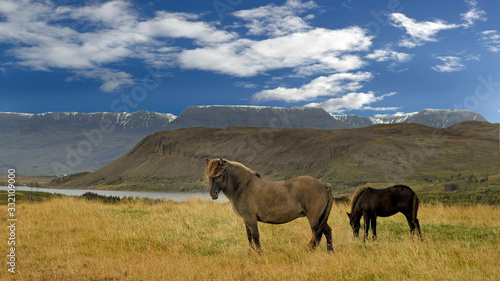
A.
pixel 76 239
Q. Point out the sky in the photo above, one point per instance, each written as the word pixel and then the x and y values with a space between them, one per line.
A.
pixel 349 57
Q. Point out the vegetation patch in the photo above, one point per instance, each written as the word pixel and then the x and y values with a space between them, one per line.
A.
pixel 28 196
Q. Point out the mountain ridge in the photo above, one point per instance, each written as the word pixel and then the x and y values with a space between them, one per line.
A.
pixel 11 122
pixel 230 115
pixel 439 118
pixel 70 142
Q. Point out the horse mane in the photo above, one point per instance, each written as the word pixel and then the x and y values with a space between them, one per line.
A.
pixel 237 164
pixel 357 194
pixel 218 169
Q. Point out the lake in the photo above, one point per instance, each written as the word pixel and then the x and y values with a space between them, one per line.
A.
pixel 174 196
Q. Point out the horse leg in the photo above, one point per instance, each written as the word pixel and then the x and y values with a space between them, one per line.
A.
pixel 327 231
pixel 366 218
pixel 317 233
pixel 417 224
pixel 411 224
pixel 253 235
pixel 374 227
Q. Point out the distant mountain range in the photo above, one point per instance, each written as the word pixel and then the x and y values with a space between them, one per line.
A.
pixel 220 116
pixel 439 118
pixel 137 123
pixel 69 142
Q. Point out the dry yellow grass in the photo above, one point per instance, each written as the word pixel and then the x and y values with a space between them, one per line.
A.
pixel 73 239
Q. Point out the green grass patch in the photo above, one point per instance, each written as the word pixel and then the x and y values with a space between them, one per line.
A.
pixel 28 196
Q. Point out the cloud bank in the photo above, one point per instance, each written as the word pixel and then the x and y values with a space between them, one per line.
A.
pixel 92 39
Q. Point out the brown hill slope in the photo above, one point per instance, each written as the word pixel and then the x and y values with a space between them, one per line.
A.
pixel 175 160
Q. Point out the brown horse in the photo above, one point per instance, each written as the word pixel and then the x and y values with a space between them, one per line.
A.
pixel 370 203
pixel 255 199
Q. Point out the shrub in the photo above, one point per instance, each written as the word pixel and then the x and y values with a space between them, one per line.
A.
pixel 451 187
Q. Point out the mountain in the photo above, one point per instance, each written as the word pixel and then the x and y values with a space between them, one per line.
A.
pixel 220 116
pixel 175 160
pixel 439 118
pixel 139 123
pixel 68 142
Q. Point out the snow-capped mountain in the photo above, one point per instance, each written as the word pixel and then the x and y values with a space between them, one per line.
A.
pixel 140 122
pixel 218 116
pixel 69 142
pixel 221 116
pixel 439 118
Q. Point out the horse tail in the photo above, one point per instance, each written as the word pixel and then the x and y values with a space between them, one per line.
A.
pixel 326 213
pixel 415 207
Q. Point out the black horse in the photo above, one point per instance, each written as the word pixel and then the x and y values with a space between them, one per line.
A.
pixel 370 203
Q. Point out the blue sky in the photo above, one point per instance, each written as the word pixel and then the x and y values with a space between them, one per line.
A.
pixel 352 57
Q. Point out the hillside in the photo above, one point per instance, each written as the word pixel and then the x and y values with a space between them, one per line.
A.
pixel 466 153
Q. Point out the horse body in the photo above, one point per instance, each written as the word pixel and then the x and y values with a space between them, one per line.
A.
pixel 371 203
pixel 257 200
pixel 280 202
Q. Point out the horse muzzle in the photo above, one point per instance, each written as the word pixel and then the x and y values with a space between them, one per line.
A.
pixel 214 195
pixel 214 190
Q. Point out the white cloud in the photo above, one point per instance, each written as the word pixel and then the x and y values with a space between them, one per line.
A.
pixel 353 101
pixel 92 40
pixel 275 20
pixel 491 40
pixel 114 13
pixel 389 55
pixel 112 79
pixel 449 64
pixel 473 57
pixel 246 85
pixel 184 25
pixel 316 51
pixel 473 14
pixel 419 32
pixel 332 85
pixel 97 35
pixel 117 16
pixel 397 114
pixel 106 33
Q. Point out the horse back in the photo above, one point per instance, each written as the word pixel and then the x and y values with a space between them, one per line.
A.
pixel 307 188
pixel 388 201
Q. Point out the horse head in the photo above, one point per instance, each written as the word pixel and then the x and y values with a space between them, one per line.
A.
pixel 216 175
pixel 355 223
